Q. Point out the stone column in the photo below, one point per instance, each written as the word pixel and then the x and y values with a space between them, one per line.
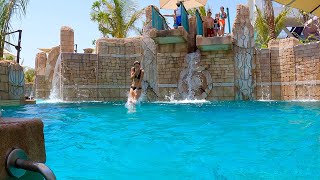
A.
pixel 287 67
pixel 42 90
pixel 263 74
pixel 40 65
pixel 149 60
pixel 66 39
pixel 275 69
pixel 244 50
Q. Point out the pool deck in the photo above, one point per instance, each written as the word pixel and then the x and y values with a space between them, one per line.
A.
pixel 16 102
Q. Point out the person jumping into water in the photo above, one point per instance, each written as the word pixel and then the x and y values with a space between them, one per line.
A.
pixel 136 76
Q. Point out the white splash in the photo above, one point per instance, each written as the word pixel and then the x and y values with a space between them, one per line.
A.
pixel 56 91
pixel 186 101
pixel 171 100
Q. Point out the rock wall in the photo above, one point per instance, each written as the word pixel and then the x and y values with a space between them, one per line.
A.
pixel 104 76
pixel 170 63
pixel 4 80
pixel 288 70
pixel 220 64
pixel 79 72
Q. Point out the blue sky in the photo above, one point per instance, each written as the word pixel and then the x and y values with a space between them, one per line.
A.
pixel 41 26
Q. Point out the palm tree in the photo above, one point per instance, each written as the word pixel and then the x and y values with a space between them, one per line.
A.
pixel 202 11
pixel 262 26
pixel 8 8
pixel 115 17
pixel 270 17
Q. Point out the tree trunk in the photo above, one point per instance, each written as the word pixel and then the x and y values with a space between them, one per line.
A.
pixel 1 46
pixel 270 16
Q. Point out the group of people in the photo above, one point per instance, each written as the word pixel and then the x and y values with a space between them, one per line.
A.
pixel 216 26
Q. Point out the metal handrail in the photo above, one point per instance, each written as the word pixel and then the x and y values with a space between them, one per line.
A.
pixel 18 47
pixel 184 17
pixel 199 23
pixel 228 20
pixel 158 21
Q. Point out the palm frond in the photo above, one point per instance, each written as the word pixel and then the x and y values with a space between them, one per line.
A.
pixel 202 11
pixel 115 17
pixel 133 19
pixel 280 20
pixel 9 8
pixel 263 29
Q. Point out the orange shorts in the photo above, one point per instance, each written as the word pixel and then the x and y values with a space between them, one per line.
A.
pixel 222 21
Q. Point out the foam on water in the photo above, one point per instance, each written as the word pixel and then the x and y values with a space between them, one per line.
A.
pixel 185 101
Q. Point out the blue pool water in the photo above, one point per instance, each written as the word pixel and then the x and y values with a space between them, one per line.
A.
pixel 212 140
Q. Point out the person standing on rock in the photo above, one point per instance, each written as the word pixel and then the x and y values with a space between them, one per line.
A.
pixel 136 76
pixel 176 16
pixel 222 20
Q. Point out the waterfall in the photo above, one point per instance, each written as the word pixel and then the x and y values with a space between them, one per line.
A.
pixel 264 87
pixel 195 82
pixel 192 59
pixel 56 89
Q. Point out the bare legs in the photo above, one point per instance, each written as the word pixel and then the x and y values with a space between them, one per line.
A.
pixel 135 94
pixel 222 29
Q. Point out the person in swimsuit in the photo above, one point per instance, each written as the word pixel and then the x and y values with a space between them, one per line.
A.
pixel 209 23
pixel 216 26
pixel 176 16
pixel 137 74
pixel 222 21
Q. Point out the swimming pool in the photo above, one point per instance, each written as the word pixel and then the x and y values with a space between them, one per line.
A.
pixel 206 140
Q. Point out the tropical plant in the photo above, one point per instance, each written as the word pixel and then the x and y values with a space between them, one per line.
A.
pixel 115 18
pixel 263 29
pixel 202 11
pixel 29 75
pixel 269 12
pixel 10 58
pixel 9 8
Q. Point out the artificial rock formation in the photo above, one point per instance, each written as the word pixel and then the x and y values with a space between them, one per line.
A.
pixel 243 36
pixel 149 56
pixel 51 63
pixel 66 39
